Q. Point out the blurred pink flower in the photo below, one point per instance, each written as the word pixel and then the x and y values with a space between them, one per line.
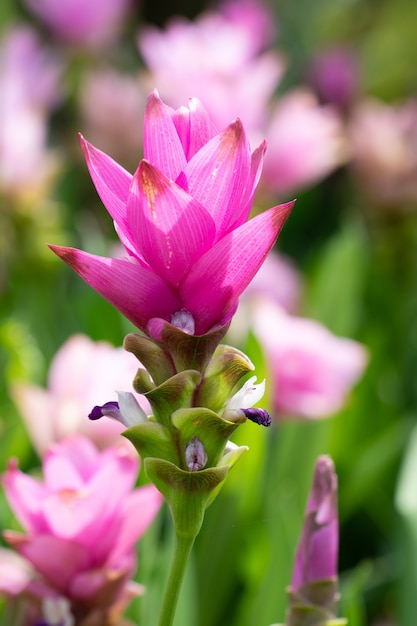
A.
pixel 334 76
pixel 218 58
pixel 113 126
pixel 312 370
pixel 89 23
pixel 182 219
pixel 81 542
pixel 29 88
pixel 277 280
pixel 15 573
pixel 82 374
pixel 384 151
pixel 305 143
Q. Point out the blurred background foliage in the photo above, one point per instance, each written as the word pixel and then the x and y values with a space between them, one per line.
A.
pixel 359 262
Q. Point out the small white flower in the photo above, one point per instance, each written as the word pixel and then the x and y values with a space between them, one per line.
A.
pixel 57 612
pixel 247 396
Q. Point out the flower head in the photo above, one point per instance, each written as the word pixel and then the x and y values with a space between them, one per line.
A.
pixel 182 219
pixel 70 519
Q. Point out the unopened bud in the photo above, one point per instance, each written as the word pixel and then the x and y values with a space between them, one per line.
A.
pixel 183 320
pixel 195 455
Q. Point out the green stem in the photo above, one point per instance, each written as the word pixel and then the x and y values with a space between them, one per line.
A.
pixel 182 550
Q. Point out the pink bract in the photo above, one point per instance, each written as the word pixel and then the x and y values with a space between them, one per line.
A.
pixel 69 518
pixel 183 220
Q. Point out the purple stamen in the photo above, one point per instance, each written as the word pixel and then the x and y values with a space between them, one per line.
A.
pixel 259 416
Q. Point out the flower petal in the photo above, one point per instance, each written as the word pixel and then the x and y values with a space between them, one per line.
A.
pixel 171 229
pixel 110 179
pixel 194 127
pixel 244 209
pixel 217 175
pixel 211 289
pixel 139 294
pixel 161 143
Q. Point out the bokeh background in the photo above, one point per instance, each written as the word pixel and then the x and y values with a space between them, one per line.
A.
pixel 349 156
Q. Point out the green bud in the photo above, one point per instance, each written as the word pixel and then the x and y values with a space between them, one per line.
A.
pixel 187 493
pixel 227 366
pixel 174 393
pixel 211 429
pixel 154 357
pixel 187 351
pixel 152 440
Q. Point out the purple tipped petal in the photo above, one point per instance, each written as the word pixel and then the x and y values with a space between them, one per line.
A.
pixel 211 289
pixel 259 416
pixel 217 174
pixel 109 409
pixel 316 557
pixel 170 228
pixel 139 294
pixel 161 144
pixel 195 455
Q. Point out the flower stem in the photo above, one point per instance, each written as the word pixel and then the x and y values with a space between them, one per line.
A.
pixel 182 550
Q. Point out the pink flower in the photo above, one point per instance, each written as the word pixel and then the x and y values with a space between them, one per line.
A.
pixel 277 280
pixel 305 143
pixel 29 87
pixel 113 125
pixel 15 573
pixel 182 218
pixel 312 370
pixel 220 59
pixel 316 557
pixel 88 23
pixel 384 149
pixel 81 542
pixel 82 374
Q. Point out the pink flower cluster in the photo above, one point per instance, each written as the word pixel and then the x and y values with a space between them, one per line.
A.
pixel 70 519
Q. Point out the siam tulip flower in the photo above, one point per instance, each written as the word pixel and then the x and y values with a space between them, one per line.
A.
pixel 82 373
pixel 80 542
pixel 182 218
pixel 220 59
pixel 29 87
pixel 305 143
pixel 312 370
pixel 313 593
pixel 384 152
pixel 89 23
